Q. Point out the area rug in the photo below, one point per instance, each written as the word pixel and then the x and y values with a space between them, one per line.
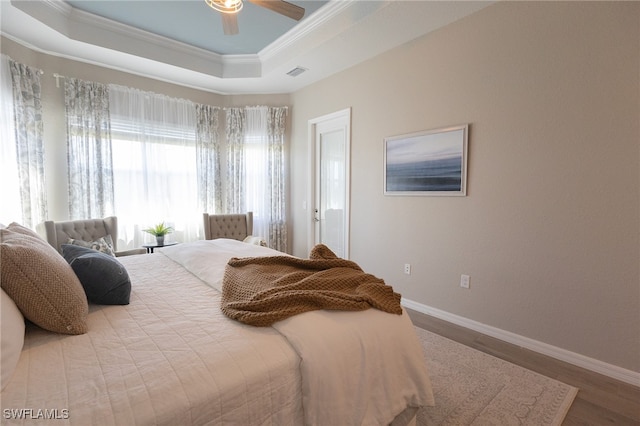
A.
pixel 473 388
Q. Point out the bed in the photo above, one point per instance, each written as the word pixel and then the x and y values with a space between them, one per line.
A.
pixel 171 357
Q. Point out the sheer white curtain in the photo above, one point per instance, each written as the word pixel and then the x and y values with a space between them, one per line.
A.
pixel 154 162
pixel 10 210
pixel 27 150
pixel 264 162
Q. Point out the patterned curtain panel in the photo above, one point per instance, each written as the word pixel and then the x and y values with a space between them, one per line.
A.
pixel 90 163
pixel 29 146
pixel 235 129
pixel 276 178
pixel 208 160
pixel 265 173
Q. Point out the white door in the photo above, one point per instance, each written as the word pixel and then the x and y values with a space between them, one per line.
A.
pixel 330 137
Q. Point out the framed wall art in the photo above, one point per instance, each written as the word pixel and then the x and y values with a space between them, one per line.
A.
pixel 432 162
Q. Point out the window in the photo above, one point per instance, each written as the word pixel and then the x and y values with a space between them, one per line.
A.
pixel 154 165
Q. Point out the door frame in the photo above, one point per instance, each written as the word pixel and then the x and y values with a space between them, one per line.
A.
pixel 345 116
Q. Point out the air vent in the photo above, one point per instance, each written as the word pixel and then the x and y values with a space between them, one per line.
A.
pixel 296 71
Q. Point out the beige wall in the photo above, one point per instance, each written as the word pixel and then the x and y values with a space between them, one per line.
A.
pixel 549 231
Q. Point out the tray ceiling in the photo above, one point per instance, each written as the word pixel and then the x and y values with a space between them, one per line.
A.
pixel 183 41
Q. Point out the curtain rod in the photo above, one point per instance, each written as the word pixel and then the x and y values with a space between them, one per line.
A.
pixel 286 108
pixel 59 76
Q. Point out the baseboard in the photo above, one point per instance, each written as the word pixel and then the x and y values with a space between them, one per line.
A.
pixel 610 370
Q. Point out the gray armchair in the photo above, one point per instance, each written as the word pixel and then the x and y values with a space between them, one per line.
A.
pixel 58 233
pixel 235 226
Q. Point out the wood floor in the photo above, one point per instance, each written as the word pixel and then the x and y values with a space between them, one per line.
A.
pixel 600 400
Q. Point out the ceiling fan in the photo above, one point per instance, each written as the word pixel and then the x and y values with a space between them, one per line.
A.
pixel 230 8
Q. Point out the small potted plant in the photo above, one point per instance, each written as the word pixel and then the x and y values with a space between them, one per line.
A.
pixel 159 230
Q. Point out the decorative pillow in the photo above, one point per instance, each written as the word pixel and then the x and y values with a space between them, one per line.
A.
pixel 40 282
pixel 105 280
pixel 102 244
pixel 255 241
pixel 11 337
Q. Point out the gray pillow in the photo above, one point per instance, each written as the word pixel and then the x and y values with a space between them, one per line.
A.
pixel 105 280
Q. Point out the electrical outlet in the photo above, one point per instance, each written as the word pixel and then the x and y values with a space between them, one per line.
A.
pixel 464 281
pixel 407 268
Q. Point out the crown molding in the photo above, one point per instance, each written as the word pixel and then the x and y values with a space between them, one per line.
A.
pixel 321 17
pixel 89 28
pixel 58 6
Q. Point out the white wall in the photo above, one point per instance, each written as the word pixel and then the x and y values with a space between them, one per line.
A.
pixel 550 229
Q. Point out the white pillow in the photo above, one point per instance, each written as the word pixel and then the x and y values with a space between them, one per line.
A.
pixel 255 241
pixel 11 338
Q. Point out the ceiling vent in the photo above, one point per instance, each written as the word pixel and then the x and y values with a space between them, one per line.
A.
pixel 296 71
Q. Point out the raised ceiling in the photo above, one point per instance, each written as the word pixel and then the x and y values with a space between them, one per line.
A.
pixel 183 41
pixel 196 24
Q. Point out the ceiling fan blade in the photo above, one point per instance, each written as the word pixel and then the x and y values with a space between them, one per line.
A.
pixel 230 23
pixel 282 7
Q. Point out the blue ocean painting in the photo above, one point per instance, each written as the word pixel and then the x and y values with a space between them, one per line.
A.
pixel 431 162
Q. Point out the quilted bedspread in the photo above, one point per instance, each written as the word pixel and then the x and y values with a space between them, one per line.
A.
pixel 171 357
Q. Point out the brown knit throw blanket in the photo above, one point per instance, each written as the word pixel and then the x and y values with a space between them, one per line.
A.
pixel 262 290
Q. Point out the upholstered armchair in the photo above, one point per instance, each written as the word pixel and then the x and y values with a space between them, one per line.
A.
pixel 89 230
pixel 234 226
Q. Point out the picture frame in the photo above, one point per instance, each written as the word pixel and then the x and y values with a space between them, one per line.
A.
pixel 428 163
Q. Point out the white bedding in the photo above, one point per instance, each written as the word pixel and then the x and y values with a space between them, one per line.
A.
pixel 171 357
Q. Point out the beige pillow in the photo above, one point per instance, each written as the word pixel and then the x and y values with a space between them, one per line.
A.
pixel 41 283
pixel 16 227
pixel 11 337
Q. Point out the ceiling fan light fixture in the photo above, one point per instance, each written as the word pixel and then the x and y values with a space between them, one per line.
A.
pixel 225 6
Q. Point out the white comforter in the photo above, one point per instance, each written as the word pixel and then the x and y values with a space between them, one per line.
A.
pixel 171 357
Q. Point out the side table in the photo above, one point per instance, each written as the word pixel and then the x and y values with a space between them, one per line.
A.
pixel 150 247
